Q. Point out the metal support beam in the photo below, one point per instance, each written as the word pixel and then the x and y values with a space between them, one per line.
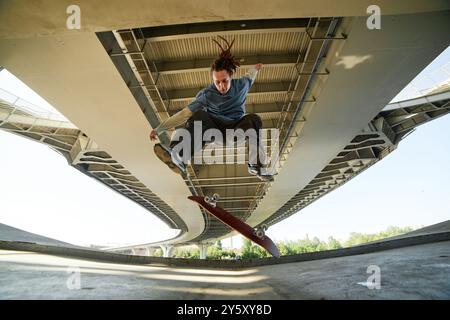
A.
pixel 223 28
pixel 258 88
pixel 204 64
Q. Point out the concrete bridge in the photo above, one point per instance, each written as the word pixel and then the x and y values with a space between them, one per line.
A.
pixel 327 84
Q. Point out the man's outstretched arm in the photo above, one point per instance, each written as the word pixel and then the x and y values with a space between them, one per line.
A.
pixel 253 71
pixel 180 117
pixel 176 120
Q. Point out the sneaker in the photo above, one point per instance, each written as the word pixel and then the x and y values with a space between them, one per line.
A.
pixel 256 171
pixel 165 155
pixel 265 177
pixel 253 169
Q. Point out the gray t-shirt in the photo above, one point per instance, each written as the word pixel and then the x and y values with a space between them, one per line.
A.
pixel 229 106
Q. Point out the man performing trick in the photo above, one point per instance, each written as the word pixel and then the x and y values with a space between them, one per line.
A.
pixel 219 106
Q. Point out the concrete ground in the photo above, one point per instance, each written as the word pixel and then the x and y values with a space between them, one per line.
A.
pixel 418 272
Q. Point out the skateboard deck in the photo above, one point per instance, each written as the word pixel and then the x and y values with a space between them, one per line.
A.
pixel 237 225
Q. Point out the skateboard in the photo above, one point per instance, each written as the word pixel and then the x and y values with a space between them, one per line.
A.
pixel 256 235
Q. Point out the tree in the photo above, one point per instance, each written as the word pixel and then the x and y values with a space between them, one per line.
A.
pixel 333 244
pixel 158 253
pixel 249 250
pixel 359 238
pixel 214 252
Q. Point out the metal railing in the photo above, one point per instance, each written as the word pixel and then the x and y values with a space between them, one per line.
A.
pixel 426 84
pixel 17 105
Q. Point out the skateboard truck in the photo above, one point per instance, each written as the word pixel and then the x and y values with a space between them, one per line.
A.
pixel 212 201
pixel 260 231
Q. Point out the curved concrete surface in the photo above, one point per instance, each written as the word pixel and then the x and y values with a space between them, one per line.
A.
pixel 418 272
pixel 411 266
pixel 18 240
pixel 48 17
pixel 8 233
pixel 86 88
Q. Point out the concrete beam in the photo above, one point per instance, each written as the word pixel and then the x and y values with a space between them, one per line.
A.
pixel 197 30
pixel 25 19
pixel 75 75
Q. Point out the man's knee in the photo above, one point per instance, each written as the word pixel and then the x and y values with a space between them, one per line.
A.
pixel 254 119
pixel 199 115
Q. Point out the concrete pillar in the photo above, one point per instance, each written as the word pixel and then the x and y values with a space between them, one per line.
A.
pixel 203 247
pixel 167 251
pixel 151 251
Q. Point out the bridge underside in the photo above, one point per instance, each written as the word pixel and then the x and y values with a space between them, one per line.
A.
pixel 322 86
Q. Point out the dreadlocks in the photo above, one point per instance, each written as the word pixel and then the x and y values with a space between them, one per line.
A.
pixel 226 60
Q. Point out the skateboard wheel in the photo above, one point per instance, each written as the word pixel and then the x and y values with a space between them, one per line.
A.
pixel 265 227
pixel 259 233
pixel 215 197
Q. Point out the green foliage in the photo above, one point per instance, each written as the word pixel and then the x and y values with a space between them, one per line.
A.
pixel 333 244
pixel 187 253
pixel 216 252
pixel 360 238
pixel 250 250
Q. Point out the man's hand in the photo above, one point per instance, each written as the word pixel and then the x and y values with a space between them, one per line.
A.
pixel 153 135
pixel 258 66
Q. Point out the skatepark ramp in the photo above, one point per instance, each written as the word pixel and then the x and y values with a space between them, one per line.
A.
pixel 432 234
pixel 410 267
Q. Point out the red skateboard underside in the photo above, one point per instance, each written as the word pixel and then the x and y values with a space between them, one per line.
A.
pixel 238 225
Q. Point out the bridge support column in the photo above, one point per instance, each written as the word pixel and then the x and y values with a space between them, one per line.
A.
pixel 203 247
pixel 167 251
pixel 151 251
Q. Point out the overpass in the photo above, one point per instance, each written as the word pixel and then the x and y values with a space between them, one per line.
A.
pixel 323 85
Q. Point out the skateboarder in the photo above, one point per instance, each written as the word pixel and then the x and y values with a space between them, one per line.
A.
pixel 220 106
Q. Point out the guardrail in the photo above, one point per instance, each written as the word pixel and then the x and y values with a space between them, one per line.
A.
pixel 426 84
pixel 22 106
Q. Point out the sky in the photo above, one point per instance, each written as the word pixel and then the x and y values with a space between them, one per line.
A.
pixel 41 193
